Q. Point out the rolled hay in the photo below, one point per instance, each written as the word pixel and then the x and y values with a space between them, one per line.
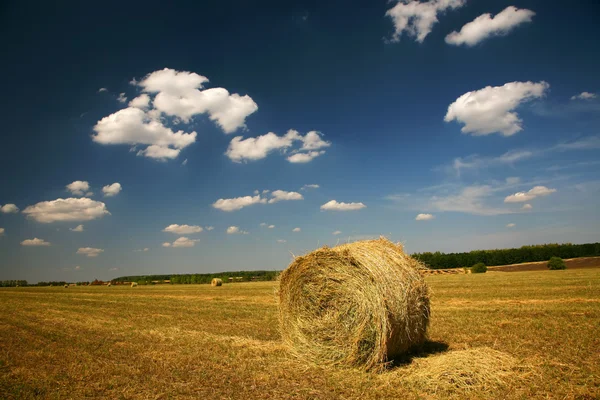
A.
pixel 134 284
pixel 216 282
pixel 66 286
pixel 109 284
pixel 359 304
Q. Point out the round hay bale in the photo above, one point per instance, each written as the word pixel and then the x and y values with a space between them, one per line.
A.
pixel 134 284
pixel 216 282
pixel 66 286
pixel 109 284
pixel 359 304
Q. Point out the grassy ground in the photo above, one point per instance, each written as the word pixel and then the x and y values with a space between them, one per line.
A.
pixel 520 335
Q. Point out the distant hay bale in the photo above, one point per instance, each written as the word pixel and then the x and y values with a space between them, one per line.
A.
pixel 109 284
pixel 66 286
pixel 134 284
pixel 359 304
pixel 216 282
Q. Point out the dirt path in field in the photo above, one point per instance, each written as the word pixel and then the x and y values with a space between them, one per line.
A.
pixel 572 263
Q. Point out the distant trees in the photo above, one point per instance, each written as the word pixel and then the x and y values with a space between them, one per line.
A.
pixel 556 263
pixel 523 254
pixel 13 283
pixel 200 278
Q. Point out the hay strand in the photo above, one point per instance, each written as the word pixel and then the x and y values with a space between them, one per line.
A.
pixel 216 282
pixel 358 304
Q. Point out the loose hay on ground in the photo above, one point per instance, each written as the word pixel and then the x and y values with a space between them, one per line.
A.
pixel 359 304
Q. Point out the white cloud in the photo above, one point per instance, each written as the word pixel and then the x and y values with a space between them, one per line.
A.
pixel 179 94
pixel 257 148
pixel 263 224
pixel 526 207
pixel 102 89
pixel 300 158
pixel 183 229
pixel 9 209
pixel 586 143
pixel 296 230
pixel 89 251
pixel 135 127
pixel 232 230
pixel 238 203
pixel 282 195
pixel 584 96
pixel 312 186
pixel 166 244
pixel 112 190
pixel 78 188
pixel 424 217
pixel 35 242
pixel 122 98
pixel 209 228
pixel 184 162
pixel 469 200
pixel 185 242
pixel 159 153
pixel 477 163
pixel 271 226
pixel 336 233
pixel 486 26
pixel 71 209
pixel 144 249
pixel 521 197
pixel 511 225
pixel 78 228
pixel 281 241
pixel 416 18
pixel 334 205
pixel 491 109
pixel 142 101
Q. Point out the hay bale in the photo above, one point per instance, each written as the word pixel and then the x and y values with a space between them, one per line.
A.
pixel 134 284
pixel 359 304
pixel 66 286
pixel 109 284
pixel 216 282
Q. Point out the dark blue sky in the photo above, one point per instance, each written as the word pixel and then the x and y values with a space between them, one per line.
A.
pixel 327 67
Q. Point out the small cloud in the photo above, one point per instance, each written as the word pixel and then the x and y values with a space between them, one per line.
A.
pixel 526 207
pixel 263 224
pixel 282 195
pixel 102 89
pixel 78 188
pixel 511 225
pixel 424 217
pixel 521 197
pixel 336 233
pixel 281 241
pixel 9 209
pixel 35 242
pixel 89 251
pixel 296 230
pixel 183 229
pixel 209 228
pixel 77 268
pixel 335 206
pixel 166 244
pixel 271 226
pixel 112 190
pixel 584 96
pixel 185 242
pixel 184 162
pixel 232 230
pixel 122 98
pixel 238 203
pixel 78 228
pixel 311 186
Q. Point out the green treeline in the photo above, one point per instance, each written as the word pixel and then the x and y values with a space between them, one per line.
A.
pixel 12 283
pixel 246 276
pixel 523 254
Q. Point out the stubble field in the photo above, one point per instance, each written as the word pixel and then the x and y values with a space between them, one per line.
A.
pixel 514 335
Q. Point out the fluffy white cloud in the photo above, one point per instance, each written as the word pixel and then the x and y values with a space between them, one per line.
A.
pixel 511 225
pixel 521 197
pixel 334 205
pixel 89 251
pixel 238 203
pixel 135 127
pixel 336 233
pixel 312 186
pixel 166 244
pixel 142 101
pixel 78 228
pixel 71 209
pixel 102 89
pixel 179 94
pixel 210 228
pixel 78 188
pixel 300 158
pixel 9 209
pixel 424 217
pixel 122 98
pixel 184 242
pixel 296 230
pixel 282 195
pixel 183 229
pixel 584 96
pixel 232 230
pixel 112 190
pixel 271 226
pixel 35 242
pixel 159 153
pixel 491 109
pixel 486 26
pixel 416 18
pixel 526 207
pixel 257 148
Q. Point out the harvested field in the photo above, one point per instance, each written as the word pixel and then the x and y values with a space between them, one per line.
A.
pixel 511 336
pixel 572 263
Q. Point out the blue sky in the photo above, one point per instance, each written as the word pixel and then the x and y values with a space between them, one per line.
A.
pixel 170 133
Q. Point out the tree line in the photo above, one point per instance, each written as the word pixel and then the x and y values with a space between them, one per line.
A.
pixel 238 276
pixel 522 254
pixel 13 283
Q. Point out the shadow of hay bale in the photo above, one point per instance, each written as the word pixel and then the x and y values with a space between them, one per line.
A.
pixel 427 348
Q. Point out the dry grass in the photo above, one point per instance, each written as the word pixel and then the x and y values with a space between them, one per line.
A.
pixel 492 336
pixel 358 304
